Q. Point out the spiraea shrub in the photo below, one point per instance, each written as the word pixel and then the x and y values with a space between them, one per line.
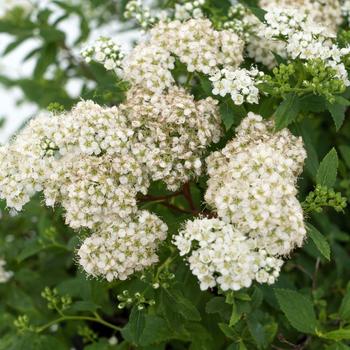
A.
pixel 192 192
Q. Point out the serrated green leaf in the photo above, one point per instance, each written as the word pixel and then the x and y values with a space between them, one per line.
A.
pixel 327 171
pixel 182 305
pixel 342 101
pixel 337 112
pixel 320 241
pixel 287 111
pixel 298 310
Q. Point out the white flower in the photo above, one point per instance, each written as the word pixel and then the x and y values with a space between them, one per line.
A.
pixel 239 83
pixel 252 187
pixel 224 256
pixel 118 250
pixel 104 51
pixel 4 275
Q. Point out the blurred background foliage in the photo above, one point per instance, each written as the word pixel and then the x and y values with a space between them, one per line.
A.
pixel 39 247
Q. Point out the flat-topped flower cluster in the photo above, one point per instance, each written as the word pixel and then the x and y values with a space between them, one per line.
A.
pixel 252 188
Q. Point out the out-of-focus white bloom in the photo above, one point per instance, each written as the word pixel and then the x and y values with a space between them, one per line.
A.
pixel 136 10
pixel 4 275
pixel 324 12
pixel 252 187
pixel 305 39
pixel 118 250
pixel 8 5
pixel 290 15
pixel 106 52
pixel 113 340
pixel 189 9
pixel 239 83
pixel 345 10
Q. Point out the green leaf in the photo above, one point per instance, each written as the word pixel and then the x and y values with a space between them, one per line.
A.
pixel 320 241
pixel 182 305
pixel 298 310
pixel 136 325
pixel 344 310
pixel 339 334
pixel 312 103
pixel 287 111
pixel 235 315
pixel 155 331
pixel 342 101
pixel 337 346
pixel 231 113
pixel 84 306
pixel 258 12
pixel 337 112
pixel 47 57
pixel 327 171
pixel 227 330
pixel 345 153
pixel 31 341
pixel 218 305
pixel 31 248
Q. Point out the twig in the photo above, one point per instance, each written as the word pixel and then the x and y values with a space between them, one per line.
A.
pixel 186 190
pixel 314 277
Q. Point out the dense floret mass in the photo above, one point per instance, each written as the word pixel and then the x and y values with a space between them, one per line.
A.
pixel 252 188
pixel 118 250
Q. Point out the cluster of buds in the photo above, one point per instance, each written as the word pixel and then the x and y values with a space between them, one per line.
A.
pixel 105 51
pixel 139 300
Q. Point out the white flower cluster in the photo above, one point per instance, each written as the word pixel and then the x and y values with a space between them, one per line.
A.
pixel 93 161
pixel 9 5
pixel 252 186
pixel 241 21
pixel 224 256
pixel 325 12
pixel 305 39
pixel 4 275
pixel 136 10
pixel 149 66
pixel 195 43
pixel 104 51
pixel 192 124
pixel 189 9
pixel 201 48
pixel 260 45
pixel 239 83
pixel 117 251
pixel 198 45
